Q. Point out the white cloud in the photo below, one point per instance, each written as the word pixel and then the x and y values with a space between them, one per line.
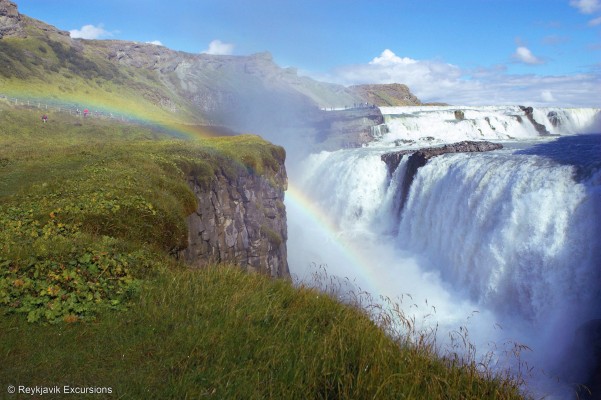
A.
pixel 389 58
pixel 429 76
pixel 547 96
pixel 439 81
pixel 586 6
pixel 523 54
pixel 89 32
pixel 156 42
pixel 595 22
pixel 219 48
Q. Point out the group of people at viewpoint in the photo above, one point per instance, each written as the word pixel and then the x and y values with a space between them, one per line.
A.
pixel 86 112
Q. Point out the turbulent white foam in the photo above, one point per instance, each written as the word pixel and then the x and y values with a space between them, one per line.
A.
pixel 439 124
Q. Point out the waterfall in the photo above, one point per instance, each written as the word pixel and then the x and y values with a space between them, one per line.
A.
pixel 447 123
pixel 514 234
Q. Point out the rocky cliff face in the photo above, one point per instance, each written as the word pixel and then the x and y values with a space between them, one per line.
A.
pixel 241 221
pixel 10 19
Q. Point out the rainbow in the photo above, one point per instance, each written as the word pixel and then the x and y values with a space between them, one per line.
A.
pixel 359 267
pixel 100 108
pixel 296 201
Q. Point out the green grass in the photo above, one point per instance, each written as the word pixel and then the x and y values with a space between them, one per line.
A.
pixel 85 197
pixel 224 334
pixel 90 211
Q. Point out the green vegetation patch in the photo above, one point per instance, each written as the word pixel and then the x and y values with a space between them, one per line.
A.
pixel 224 334
pixel 90 208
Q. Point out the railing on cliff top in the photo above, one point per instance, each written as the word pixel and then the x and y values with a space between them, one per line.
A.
pixel 70 108
pixel 78 109
pixel 356 106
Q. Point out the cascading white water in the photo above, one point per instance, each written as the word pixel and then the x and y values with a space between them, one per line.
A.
pixel 516 232
pixel 442 124
pixel 513 234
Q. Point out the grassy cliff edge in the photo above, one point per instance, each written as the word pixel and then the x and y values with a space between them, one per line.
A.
pixel 90 211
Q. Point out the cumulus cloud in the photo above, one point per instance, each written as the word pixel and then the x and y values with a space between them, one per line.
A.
pixel 89 32
pixel 547 96
pixel 595 22
pixel 586 6
pixel 435 80
pixel 156 42
pixel 218 47
pixel 524 55
pixel 388 58
pixel 427 75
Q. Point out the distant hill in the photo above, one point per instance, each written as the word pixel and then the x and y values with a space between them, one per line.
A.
pixel 394 94
pixel 243 93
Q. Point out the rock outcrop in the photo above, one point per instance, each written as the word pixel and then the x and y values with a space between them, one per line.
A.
pixel 540 128
pixel 240 221
pixel 419 158
pixel 10 19
pixel 554 118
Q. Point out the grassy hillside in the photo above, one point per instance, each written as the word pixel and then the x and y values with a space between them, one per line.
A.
pixel 90 210
pixel 89 206
pixel 46 64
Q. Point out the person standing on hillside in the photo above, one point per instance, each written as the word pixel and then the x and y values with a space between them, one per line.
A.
pixel 44 118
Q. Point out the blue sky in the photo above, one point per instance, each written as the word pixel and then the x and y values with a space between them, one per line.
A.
pixel 540 52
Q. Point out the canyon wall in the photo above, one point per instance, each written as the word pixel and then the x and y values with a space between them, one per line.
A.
pixel 240 221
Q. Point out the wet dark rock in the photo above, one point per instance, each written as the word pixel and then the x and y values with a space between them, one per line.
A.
pixel 554 118
pixel 540 128
pixel 393 159
pixel 459 115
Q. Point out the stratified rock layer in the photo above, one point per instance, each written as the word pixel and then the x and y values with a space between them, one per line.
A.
pixel 240 221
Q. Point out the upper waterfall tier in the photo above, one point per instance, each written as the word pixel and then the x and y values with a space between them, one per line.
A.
pixel 443 124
